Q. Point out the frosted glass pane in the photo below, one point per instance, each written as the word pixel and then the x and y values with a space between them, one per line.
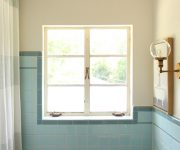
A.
pixel 108 41
pixel 66 99
pixel 65 42
pixel 111 70
pixel 65 70
pixel 108 99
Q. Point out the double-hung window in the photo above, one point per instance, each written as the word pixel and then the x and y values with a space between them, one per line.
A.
pixel 86 70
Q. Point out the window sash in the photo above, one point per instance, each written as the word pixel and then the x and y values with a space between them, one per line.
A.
pixel 87 57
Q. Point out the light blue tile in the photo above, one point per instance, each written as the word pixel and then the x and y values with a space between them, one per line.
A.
pixel 28 118
pixel 123 147
pixel 28 61
pixel 26 95
pixel 93 147
pixel 115 147
pixel 162 140
pixel 116 129
pixel 28 129
pixel 97 136
pixel 147 130
pixel 53 148
pixel 82 148
pixel 125 129
pixel 28 102
pixel 81 129
pixel 70 129
pixel 146 140
pixel 64 130
pixel 46 129
pixel 27 107
pixel 169 127
pixel 121 129
pixel 136 148
pixel 145 116
pixel 114 141
pixel 124 139
pixel 103 140
pixel 29 140
pixel 82 140
pixel 92 140
pixel 72 147
pixel 135 129
pixel 71 140
pixel 28 79
pixel 51 140
pixel 147 147
pixel 39 112
pixel 31 148
pixel 174 145
pixel 97 129
pixel 102 147
pixel 135 140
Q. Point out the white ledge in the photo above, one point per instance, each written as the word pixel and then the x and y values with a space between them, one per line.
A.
pixel 88 118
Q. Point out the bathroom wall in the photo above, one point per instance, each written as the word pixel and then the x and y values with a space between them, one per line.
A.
pixel 35 13
pixel 133 134
pixel 166 129
pixel 129 135
pixel 166 24
pixel 165 132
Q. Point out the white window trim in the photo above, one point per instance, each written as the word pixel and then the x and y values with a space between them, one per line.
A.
pixel 87 112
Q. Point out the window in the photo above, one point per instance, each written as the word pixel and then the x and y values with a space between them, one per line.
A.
pixel 86 70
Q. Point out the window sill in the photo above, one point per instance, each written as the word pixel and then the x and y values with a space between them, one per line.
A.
pixel 72 120
pixel 88 118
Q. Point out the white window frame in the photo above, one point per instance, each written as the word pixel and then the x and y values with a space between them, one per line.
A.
pixel 87 64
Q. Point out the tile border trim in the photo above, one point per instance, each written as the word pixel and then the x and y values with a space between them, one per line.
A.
pixel 30 53
pixel 165 115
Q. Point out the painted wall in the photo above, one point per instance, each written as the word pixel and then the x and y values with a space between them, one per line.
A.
pixel 166 24
pixel 35 13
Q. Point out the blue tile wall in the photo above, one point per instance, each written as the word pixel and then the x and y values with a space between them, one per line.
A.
pixel 165 132
pixel 75 135
pixel 146 128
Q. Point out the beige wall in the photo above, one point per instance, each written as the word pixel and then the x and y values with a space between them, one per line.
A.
pixel 167 24
pixel 35 13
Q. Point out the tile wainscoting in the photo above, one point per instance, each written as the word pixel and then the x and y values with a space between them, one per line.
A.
pixel 165 131
pixel 144 132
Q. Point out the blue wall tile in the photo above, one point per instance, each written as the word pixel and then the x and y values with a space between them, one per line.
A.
pixel 144 116
pixel 28 61
pixel 74 135
pixel 165 134
pixel 149 130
